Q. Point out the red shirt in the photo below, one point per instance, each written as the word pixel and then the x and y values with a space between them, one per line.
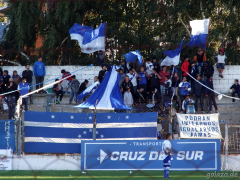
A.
pixel 67 74
pixel 185 68
pixel 162 74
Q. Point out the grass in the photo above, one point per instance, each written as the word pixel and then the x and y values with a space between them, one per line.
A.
pixel 109 175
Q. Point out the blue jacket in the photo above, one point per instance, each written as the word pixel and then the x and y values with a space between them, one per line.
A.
pixel 39 69
pixel 23 88
pixel 182 86
pixel 186 103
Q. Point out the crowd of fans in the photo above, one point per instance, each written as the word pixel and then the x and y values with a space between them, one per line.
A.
pixel 148 86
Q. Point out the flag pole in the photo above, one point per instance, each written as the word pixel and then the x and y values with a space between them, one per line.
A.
pixel 105 40
pixel 208 34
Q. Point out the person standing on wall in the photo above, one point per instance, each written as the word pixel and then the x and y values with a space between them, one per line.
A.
pixel 200 58
pixel 28 74
pixel 39 72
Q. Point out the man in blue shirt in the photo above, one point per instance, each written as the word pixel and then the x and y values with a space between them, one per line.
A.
pixel 39 72
pixel 142 79
pixel 185 88
pixel 23 89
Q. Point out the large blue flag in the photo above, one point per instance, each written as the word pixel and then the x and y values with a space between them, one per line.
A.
pixel 199 33
pixel 108 94
pixel 132 56
pixel 89 90
pixel 52 132
pixel 173 56
pixel 89 40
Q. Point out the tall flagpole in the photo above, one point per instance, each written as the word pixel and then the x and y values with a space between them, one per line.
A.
pixel 208 35
pixel 105 40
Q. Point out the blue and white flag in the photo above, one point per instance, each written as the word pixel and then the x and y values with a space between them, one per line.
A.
pixel 173 56
pixel 89 40
pixel 54 132
pixel 108 94
pixel 132 56
pixel 89 90
pixel 199 33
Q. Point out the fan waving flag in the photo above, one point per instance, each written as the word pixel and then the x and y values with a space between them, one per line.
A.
pixel 108 94
pixel 88 90
pixel 132 56
pixel 199 33
pixel 89 40
pixel 173 56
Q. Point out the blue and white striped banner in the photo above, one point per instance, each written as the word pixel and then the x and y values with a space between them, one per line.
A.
pixel 47 132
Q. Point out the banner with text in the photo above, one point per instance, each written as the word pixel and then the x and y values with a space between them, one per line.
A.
pixel 7 135
pixel 6 159
pixel 147 155
pixel 199 126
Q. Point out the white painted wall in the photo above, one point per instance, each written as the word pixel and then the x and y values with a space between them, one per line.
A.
pixel 73 162
pixel 221 85
pixel 46 162
pixel 53 72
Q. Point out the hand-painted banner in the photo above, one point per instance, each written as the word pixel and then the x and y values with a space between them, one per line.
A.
pixel 199 126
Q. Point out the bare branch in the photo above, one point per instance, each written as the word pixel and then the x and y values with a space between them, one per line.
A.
pixel 60 46
pixel 188 16
pixel 201 9
pixel 179 15
pixel 25 55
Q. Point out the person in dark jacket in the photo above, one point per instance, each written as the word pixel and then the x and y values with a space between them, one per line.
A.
pixel 11 97
pixel 6 78
pixel 235 89
pixel 141 100
pixel 105 67
pixel 28 74
pixel 198 92
pixel 1 72
pixel 39 72
pixel 210 95
pixel 74 85
pixel 155 64
pixel 122 77
pixel 154 81
pixel 58 90
pixel 200 58
pixel 175 83
pixel 168 85
pixel 100 57
pixel 127 84
pixel 154 97
pixel 83 86
pixel 207 70
pixel 124 67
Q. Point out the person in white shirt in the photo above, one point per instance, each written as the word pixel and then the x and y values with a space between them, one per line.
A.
pixel 133 75
pixel 149 66
pixel 128 99
pixel 220 59
pixel 167 152
pixel 97 84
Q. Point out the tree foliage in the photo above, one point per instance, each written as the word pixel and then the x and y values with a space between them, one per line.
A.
pixel 151 26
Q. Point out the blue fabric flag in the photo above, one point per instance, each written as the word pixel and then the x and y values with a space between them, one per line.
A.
pixel 88 90
pixel 132 56
pixel 199 33
pixel 173 56
pixel 54 132
pixel 108 94
pixel 89 40
pixel 173 53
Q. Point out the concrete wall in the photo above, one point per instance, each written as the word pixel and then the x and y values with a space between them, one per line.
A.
pixel 53 72
pixel 72 162
pixel 221 85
